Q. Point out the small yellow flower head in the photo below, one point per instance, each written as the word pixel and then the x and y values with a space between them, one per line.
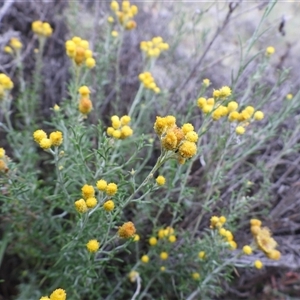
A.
pixel 110 131
pixel 206 82
pixel 15 43
pixel 222 231
pixel 168 231
pixel 145 259
pixel 160 125
pixel 81 206
pixel 56 138
pixel 109 205
pixel 214 220
pixel 93 246
pixel 115 122
pixel 258 115
pixel 247 250
pixel 289 96
pixel 172 238
pixel 114 6
pixel 45 143
pixel 216 93
pixel 84 91
pixel 133 275
pixel 127 230
pixel 255 230
pixel 126 131
pixel 240 130
pixel 114 33
pixel 201 254
pixel 207 108
pixel 164 255
pixel 201 102
pixel 270 50
pixel 255 222
pixel 160 180
pixel 232 106
pixel 274 254
pixel 162 268
pixel 38 135
pixel 91 202
pixel 187 149
pixel 90 62
pixel 233 116
pixel 229 235
pixel 101 185
pixel 88 54
pixel 2 152
pixel 116 134
pixel 232 245
pixel 136 238
pixel 130 25
pixel 258 264
pixel 196 276
pixel 153 241
pixel 187 127
pixel 45 298
pixel 222 219
pixel 58 294
pixel 56 108
pixel 210 101
pixel 191 136
pixel 87 191
pixel 8 50
pixel 225 91
pixel 85 105
pixel 169 142
pixel 111 189
pixel 125 120
pixel 110 19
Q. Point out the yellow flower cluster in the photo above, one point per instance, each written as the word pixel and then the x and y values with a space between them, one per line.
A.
pixel 85 104
pixel 3 164
pixel 148 81
pixel 217 223
pixel 58 294
pixel 88 201
pixel 181 141
pixel 243 118
pixel 109 188
pixel 127 230
pixel 120 128
pixel 154 47
pixel 126 14
pixel 78 50
pixel 14 46
pixel 167 233
pixel 42 29
pixel 55 139
pixel 264 240
pixel 93 246
pixel 5 85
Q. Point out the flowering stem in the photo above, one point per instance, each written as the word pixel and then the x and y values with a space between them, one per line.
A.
pixel 136 100
pixel 210 276
pixel 161 160
pixel 138 288
pixel 216 174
